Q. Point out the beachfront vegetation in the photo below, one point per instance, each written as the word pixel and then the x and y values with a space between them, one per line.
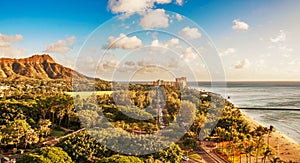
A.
pixel 236 138
pixel 39 114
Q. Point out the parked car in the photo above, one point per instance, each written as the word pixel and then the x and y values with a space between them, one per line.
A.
pixel 185 158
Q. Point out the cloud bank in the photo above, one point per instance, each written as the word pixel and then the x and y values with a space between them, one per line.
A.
pixel 61 46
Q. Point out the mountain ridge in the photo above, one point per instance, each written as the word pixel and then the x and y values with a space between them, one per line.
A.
pixel 41 67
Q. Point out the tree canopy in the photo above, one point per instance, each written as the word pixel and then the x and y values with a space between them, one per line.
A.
pixel 47 155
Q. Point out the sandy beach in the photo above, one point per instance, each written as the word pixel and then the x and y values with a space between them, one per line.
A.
pixel 285 148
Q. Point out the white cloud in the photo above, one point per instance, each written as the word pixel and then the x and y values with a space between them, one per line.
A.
pixel 279 43
pixel 10 51
pixel 228 51
pixel 261 39
pixel 157 43
pixel 128 66
pixel 179 2
pixel 163 1
pixel 259 65
pixel 171 42
pixel 7 50
pixel 285 48
pixel 152 18
pixel 125 16
pixel 151 70
pixel 110 64
pixel 129 6
pixel 293 62
pixel 124 42
pixel 158 47
pixel 61 46
pixel 174 63
pixel 155 19
pixel 240 25
pixel 129 63
pixel 190 33
pixel 242 64
pixel 12 39
pixel 188 54
pixel 174 41
pixel 260 62
pixel 4 44
pixel 145 63
pixel 132 6
pixel 281 37
pixel 179 17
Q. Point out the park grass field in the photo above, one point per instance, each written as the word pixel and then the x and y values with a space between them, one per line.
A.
pixel 87 94
pixel 58 133
pixel 196 157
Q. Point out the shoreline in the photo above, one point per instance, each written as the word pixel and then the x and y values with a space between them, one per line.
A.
pixel 285 148
pixel 250 118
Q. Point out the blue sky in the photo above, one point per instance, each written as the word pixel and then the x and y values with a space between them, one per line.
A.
pixel 263 44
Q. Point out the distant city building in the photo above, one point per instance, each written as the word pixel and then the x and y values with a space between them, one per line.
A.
pixel 179 83
pixel 162 82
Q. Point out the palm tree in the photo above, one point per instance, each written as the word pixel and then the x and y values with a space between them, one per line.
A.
pixel 234 138
pixel 249 149
pixel 54 103
pixel 241 150
pixel 276 160
pixel 60 115
pixel 259 133
pixel 267 153
pixel 68 107
pixel 42 105
pixel 69 110
pixel 270 130
pixel 259 141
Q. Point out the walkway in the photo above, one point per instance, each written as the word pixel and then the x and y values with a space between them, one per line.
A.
pixel 56 140
pixel 209 155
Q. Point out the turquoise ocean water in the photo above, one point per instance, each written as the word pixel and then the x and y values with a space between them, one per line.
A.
pixel 265 95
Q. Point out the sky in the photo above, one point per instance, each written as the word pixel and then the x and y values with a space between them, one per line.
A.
pixel 248 40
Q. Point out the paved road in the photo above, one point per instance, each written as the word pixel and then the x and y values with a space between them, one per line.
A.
pixel 208 158
pixel 191 161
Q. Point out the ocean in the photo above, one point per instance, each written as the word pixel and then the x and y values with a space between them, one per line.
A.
pixel 284 95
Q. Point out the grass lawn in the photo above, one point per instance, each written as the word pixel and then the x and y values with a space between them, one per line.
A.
pixel 58 133
pixel 196 157
pixel 87 94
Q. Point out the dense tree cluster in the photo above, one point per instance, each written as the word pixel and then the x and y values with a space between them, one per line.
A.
pixel 31 111
pixel 84 148
pixel 27 118
pixel 121 158
pixel 47 155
